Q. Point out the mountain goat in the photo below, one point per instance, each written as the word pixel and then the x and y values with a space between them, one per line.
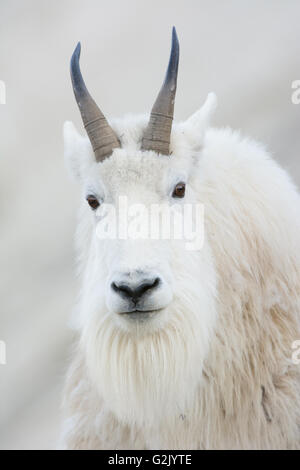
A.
pixel 183 348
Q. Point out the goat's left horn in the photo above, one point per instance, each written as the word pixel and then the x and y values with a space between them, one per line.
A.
pixel 101 135
pixel 158 131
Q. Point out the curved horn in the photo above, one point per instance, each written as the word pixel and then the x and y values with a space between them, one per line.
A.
pixel 101 135
pixel 158 131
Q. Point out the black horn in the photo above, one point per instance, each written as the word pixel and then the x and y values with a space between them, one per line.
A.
pixel 158 131
pixel 101 135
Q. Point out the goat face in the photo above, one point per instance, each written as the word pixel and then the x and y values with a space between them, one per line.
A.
pixel 148 302
pixel 137 274
pixel 137 165
pixel 145 302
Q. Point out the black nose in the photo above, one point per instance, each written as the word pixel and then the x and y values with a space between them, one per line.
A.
pixel 134 292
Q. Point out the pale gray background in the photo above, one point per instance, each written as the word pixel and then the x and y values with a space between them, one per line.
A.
pixel 248 52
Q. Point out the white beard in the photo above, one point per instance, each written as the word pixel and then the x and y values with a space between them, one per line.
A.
pixel 147 376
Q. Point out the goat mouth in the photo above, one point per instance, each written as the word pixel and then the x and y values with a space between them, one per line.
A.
pixel 140 314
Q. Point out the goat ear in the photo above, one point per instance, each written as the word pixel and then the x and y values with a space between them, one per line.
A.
pixel 77 151
pixel 196 125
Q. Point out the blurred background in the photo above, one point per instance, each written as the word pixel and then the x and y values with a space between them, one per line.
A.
pixel 248 52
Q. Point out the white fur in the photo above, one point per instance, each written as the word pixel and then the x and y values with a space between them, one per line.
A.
pixel 212 369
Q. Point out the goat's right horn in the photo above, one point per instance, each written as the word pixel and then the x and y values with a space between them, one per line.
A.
pixel 101 135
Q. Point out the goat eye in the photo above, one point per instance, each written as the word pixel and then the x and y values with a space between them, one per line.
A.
pixel 93 202
pixel 179 190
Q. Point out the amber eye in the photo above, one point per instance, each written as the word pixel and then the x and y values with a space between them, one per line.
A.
pixel 93 202
pixel 179 190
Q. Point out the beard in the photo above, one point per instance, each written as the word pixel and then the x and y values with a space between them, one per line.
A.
pixel 145 375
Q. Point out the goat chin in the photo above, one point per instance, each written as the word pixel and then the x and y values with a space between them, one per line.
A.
pixel 142 372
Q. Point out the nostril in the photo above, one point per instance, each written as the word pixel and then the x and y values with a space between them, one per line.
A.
pixel 143 288
pixel 122 288
pixel 151 285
